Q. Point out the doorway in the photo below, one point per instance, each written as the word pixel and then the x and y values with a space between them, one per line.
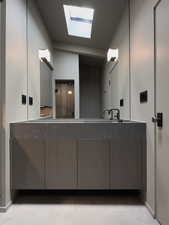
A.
pixel 161 19
pixel 64 99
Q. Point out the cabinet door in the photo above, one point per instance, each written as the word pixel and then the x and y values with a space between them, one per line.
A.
pixel 125 162
pixel 93 164
pixel 61 164
pixel 28 163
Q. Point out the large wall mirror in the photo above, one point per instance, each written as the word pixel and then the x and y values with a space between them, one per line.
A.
pixel 46 98
pixel 116 73
pixel 99 83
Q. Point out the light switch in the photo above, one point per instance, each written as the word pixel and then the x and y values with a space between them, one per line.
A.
pixel 121 102
pixel 144 97
pixel 23 99
pixel 30 101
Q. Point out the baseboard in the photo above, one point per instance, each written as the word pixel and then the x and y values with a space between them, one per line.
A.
pixel 5 208
pixel 150 209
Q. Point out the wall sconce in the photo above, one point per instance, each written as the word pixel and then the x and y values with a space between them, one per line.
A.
pixel 45 54
pixel 112 55
pixel 112 58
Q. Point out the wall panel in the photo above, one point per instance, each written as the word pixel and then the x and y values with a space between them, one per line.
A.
pixel 142 78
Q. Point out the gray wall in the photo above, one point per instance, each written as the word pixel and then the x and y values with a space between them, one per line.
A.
pixel 66 67
pixel 90 91
pixel 38 38
pixel 0 104
pixel 2 88
pixel 119 77
pixel 16 76
pixel 22 73
pixel 46 98
pixel 142 78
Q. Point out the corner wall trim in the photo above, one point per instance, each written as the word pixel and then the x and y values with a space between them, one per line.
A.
pixel 150 209
pixel 5 208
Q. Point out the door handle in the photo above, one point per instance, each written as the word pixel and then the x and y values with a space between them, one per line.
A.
pixel 158 119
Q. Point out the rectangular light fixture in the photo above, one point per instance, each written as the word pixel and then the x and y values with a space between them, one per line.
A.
pixel 112 55
pixel 79 20
pixel 45 54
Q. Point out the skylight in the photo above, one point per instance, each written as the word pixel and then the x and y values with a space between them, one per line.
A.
pixel 79 20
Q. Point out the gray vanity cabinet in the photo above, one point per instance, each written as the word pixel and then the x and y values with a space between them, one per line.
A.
pixel 125 161
pixel 28 163
pixel 93 164
pixel 78 156
pixel 61 164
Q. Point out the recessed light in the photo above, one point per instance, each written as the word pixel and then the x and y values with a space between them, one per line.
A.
pixel 70 92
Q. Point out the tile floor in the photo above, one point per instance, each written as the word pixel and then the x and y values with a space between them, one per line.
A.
pixel 88 209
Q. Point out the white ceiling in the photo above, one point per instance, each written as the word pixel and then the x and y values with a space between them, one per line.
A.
pixel 107 15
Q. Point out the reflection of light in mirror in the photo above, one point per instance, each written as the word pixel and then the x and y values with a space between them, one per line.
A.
pixel 112 54
pixel 70 93
pixel 45 54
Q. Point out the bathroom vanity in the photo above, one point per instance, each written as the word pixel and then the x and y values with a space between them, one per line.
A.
pixel 78 154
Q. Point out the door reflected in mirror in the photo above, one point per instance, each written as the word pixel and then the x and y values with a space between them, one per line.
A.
pixel 64 99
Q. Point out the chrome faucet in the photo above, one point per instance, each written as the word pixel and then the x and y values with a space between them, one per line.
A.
pixel 106 110
pixel 111 111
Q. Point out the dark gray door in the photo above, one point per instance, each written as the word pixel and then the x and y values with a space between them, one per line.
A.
pixel 162 106
pixel 64 96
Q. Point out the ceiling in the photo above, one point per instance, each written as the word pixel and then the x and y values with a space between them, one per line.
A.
pixel 107 15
